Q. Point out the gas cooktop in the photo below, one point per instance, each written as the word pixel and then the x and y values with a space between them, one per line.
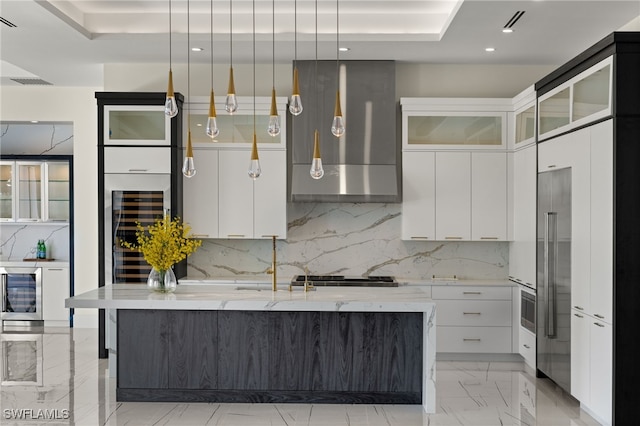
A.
pixel 341 280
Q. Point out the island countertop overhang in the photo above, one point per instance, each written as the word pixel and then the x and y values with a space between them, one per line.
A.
pixel 233 297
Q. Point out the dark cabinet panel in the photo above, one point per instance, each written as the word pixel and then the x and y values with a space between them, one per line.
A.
pixel 243 345
pixel 143 360
pixel 193 349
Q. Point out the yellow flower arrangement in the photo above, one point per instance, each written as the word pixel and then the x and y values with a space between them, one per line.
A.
pixel 164 243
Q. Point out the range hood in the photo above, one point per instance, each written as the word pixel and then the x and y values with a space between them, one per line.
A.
pixel 363 165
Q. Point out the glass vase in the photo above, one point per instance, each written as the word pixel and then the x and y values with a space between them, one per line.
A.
pixel 162 281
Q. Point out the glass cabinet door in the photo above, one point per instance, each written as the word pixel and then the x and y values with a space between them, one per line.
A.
pixel 136 125
pixel 30 191
pixel 450 130
pixel 554 111
pixel 7 190
pixel 591 94
pixel 58 191
pixel 525 125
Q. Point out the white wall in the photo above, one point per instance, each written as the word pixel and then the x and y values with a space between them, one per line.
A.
pixel 76 105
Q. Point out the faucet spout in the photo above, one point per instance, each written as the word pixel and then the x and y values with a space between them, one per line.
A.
pixel 272 270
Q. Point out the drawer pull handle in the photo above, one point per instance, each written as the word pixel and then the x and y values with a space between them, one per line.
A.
pixel 419 238
pixel 235 235
pixel 54 269
pixel 200 235
pixel 578 315
pixel 527 346
pixel 598 324
pixel 470 339
pixel 139 170
pixel 472 313
pixel 452 238
pixel 598 316
pixel 551 166
pixel 471 292
pixel 488 238
pixel 579 308
pixel 269 236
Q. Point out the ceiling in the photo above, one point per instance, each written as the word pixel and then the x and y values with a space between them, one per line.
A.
pixel 66 42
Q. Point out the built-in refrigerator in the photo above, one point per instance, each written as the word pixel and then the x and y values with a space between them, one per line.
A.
pixel 554 276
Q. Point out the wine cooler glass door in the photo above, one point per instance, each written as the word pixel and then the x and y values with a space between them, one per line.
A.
pixel 21 293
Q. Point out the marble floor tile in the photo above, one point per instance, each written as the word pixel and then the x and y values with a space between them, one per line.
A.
pixel 64 383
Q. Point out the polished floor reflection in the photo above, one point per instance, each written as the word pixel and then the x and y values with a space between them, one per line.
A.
pixel 54 377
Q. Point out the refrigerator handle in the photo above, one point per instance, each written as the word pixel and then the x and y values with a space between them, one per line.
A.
pixel 550 266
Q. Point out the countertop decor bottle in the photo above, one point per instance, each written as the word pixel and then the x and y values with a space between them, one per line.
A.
pixel 42 250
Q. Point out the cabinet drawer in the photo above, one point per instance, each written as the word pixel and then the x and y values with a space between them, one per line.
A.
pixel 527 346
pixel 469 292
pixel 474 312
pixel 137 160
pixel 473 339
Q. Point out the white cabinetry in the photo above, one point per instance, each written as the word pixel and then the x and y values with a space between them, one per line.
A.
pixel 200 194
pixel 418 195
pixel 137 159
pixel 453 195
pixel 222 201
pixel 474 319
pixel 522 251
pixel 55 289
pixel 489 196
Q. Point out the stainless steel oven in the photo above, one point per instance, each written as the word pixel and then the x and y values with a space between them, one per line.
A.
pixel 528 309
pixel 21 293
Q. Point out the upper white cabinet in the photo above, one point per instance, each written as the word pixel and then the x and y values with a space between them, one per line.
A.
pixel 453 196
pixel 221 200
pixel 35 191
pixel 418 196
pixel 137 160
pixel 489 196
pixel 582 99
pixel 524 119
pixel 200 194
pixel 454 123
pixel 136 125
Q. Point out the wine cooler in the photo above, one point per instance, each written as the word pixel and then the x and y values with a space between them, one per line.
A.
pixel 131 200
pixel 21 293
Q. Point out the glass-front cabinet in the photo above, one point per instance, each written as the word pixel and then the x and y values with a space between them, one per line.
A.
pixel 452 123
pixel 34 191
pixel 581 100
pixel 236 130
pixel 7 191
pixel 136 125
pixel 525 125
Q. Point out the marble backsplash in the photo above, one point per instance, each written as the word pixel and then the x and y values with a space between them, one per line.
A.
pixel 18 241
pixel 349 239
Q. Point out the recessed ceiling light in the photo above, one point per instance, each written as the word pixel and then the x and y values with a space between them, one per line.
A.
pixel 344 49
pixel 197 49
pixel 34 121
pixel 490 49
pixel 507 30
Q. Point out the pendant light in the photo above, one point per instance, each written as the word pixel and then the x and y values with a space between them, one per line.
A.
pixel 274 120
pixel 295 104
pixel 316 170
pixel 212 129
pixel 170 104
pixel 231 103
pixel 254 165
pixel 337 126
pixel 188 167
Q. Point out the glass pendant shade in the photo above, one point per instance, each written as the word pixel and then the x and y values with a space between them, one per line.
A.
pixel 295 105
pixel 274 120
pixel 170 104
pixel 337 126
pixel 254 167
pixel 231 104
pixel 212 124
pixel 188 166
pixel 316 171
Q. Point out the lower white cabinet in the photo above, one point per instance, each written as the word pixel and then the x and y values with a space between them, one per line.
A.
pixel 473 319
pixel 527 346
pixel 55 289
pixel 591 364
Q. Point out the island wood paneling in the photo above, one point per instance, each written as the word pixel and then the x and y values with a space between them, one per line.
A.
pixel 243 345
pixel 240 356
pixel 143 348
pixel 193 350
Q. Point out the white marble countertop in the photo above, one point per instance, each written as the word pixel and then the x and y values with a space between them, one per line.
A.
pixel 34 264
pixel 257 298
pixel 266 280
